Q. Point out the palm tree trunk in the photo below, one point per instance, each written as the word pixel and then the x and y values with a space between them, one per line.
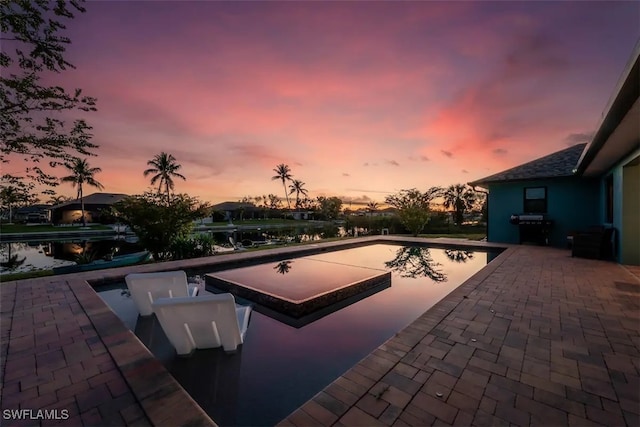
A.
pixel 286 195
pixel 84 222
pixel 167 187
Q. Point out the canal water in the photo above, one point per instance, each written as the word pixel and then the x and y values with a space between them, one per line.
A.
pixel 33 255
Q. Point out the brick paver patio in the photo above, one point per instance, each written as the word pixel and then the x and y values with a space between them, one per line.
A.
pixel 537 337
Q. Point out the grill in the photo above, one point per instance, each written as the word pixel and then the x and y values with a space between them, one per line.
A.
pixel 534 228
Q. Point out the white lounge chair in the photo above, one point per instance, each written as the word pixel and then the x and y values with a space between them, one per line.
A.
pixel 208 321
pixel 145 288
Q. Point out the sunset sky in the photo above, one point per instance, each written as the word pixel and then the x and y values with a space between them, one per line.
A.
pixel 360 99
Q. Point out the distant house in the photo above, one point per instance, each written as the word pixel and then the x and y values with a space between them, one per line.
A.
pixel 302 215
pixel 581 186
pixel 94 206
pixel 386 212
pixel 32 214
pixel 237 210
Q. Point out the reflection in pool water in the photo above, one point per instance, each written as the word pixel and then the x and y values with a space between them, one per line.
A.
pixel 279 367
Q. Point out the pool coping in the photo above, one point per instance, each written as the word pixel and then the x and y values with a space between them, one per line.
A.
pixel 161 397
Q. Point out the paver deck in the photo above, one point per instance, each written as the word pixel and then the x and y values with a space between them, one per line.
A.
pixel 536 337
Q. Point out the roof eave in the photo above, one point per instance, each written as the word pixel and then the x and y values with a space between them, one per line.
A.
pixel 624 97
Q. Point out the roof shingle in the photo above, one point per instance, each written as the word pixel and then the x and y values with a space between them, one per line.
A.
pixel 555 165
pixel 95 199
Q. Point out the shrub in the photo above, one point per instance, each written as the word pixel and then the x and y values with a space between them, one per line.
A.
pixel 159 222
pixel 192 247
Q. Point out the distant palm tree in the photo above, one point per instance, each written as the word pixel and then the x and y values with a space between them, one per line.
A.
pixel 283 173
pixel 165 168
pixel 297 187
pixel 373 206
pixel 458 197
pixel 81 173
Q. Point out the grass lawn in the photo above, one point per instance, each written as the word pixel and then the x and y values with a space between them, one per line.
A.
pixel 25 275
pixel 45 228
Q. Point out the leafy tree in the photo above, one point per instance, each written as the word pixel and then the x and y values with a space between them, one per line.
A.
pixel 56 200
pixel 9 196
pixel 273 202
pixel 416 261
pixel 413 207
pixel 82 173
pixel 165 168
pixel 297 187
pixel 329 207
pixel 283 173
pixel 159 222
pixel 32 114
pixel 459 197
pixel 16 192
pixel 308 204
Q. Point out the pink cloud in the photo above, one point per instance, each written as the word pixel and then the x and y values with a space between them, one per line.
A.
pixel 333 89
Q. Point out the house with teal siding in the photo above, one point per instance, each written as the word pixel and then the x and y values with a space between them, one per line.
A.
pixel 586 185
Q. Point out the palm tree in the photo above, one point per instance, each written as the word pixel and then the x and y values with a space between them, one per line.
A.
pixel 297 187
pixel 81 173
pixel 283 267
pixel 165 168
pixel 283 173
pixel 373 207
pixel 458 197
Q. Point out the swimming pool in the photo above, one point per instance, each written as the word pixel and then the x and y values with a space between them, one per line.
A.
pixel 281 364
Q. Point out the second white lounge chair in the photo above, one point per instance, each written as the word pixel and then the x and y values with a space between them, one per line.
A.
pixel 208 321
pixel 145 288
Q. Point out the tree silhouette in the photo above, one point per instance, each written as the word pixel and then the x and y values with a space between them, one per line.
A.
pixel 9 196
pixel 459 197
pixel 283 173
pixel 34 48
pixel 413 207
pixel 458 255
pixel 13 261
pixel 373 207
pixel 165 168
pixel 416 261
pixel 283 267
pixel 81 174
pixel 297 187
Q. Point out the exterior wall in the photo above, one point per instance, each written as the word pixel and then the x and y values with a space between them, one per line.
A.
pixel 624 184
pixel 630 240
pixel 572 204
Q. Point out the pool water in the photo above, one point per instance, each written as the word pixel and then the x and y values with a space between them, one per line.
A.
pixel 280 366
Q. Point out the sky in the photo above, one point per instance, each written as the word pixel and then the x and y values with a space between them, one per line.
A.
pixel 360 99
